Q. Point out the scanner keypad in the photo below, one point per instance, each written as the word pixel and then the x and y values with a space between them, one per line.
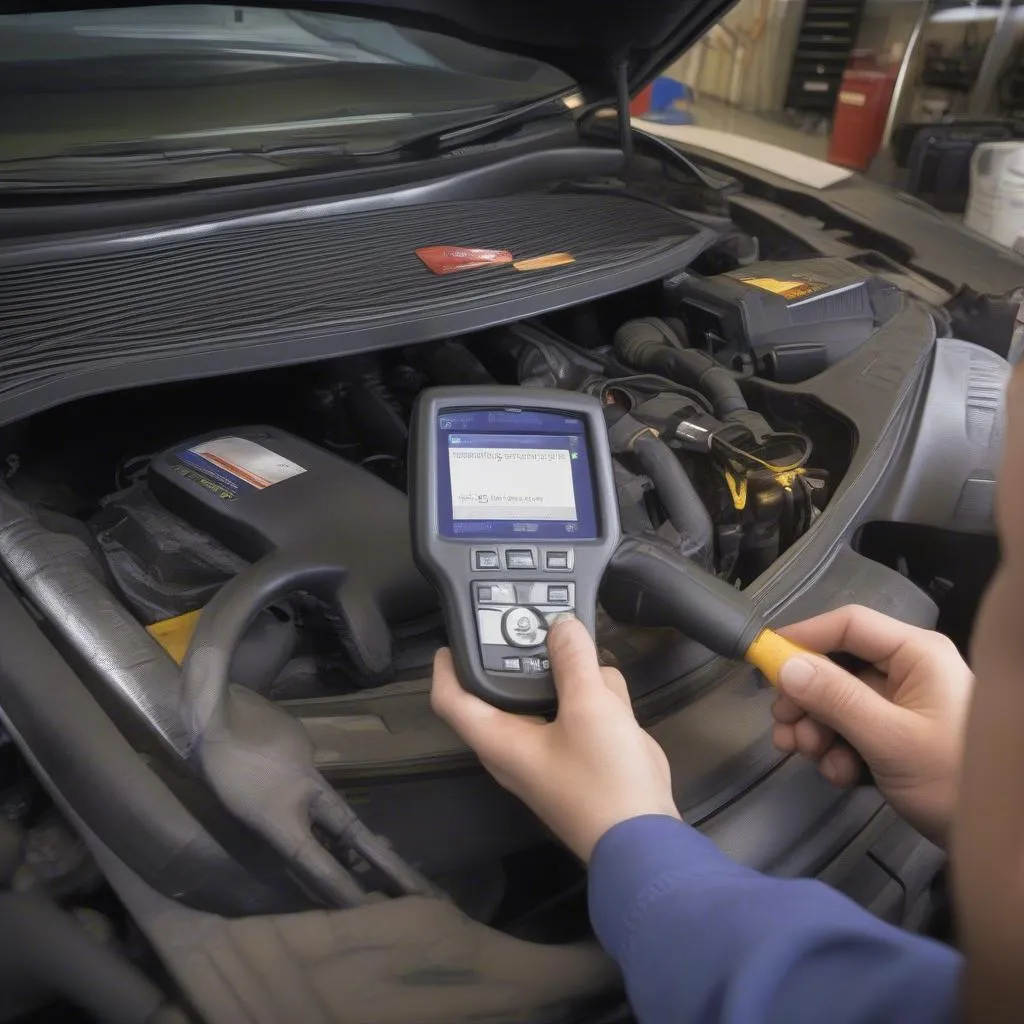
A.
pixel 513 616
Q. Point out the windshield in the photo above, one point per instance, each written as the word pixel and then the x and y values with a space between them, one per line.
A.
pixel 95 89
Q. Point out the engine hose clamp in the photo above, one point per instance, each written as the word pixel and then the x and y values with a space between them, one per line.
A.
pixel 640 433
pixel 625 431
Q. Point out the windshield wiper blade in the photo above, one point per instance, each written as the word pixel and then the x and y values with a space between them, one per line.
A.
pixel 479 131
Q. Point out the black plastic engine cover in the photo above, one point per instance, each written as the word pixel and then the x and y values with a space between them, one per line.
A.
pixel 257 489
pixel 787 320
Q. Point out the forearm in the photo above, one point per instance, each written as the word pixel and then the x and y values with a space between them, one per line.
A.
pixel 700 938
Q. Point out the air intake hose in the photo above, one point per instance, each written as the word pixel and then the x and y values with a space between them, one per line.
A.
pixel 255 756
pixel 59 574
pixel 675 490
pixel 650 344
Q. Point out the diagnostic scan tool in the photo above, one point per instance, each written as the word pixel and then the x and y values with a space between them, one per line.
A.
pixel 514 519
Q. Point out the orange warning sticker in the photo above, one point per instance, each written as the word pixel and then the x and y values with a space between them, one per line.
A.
pixel 551 259
pixel 777 286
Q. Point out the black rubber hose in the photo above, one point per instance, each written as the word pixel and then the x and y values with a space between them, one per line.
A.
pixel 647 583
pixel 81 754
pixel 643 344
pixel 204 673
pixel 44 948
pixel 257 757
pixel 682 504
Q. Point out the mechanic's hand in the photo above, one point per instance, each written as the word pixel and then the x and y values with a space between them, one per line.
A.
pixel 904 716
pixel 586 771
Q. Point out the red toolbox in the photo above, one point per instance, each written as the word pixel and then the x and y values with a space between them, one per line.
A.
pixel 859 119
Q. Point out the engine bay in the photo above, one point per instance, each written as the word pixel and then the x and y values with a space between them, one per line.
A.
pixel 730 473
pixel 748 396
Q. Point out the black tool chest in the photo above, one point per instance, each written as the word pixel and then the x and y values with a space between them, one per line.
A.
pixel 827 36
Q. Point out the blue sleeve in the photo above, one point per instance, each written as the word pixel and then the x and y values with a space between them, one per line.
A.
pixel 701 939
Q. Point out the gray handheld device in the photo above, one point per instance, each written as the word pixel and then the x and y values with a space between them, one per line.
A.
pixel 514 519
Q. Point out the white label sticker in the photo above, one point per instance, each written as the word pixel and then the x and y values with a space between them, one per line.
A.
pixel 852 99
pixel 250 462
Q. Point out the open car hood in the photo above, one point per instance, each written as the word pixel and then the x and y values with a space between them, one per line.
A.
pixel 586 40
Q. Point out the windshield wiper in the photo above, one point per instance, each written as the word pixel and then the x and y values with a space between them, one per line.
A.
pixel 147 163
pixel 480 131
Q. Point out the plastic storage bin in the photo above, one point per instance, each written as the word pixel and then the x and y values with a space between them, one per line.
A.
pixel 996 204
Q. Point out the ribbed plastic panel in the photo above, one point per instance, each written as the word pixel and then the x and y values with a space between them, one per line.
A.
pixel 232 288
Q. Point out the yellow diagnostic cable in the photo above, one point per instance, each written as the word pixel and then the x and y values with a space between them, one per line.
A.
pixel 649 583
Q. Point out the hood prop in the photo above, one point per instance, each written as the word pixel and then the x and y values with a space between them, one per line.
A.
pixel 622 106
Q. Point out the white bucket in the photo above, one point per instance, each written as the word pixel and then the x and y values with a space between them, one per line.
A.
pixel 996 204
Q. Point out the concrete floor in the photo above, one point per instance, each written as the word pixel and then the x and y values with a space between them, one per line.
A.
pixel 771 128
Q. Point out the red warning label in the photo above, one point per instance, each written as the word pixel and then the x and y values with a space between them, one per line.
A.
pixel 447 259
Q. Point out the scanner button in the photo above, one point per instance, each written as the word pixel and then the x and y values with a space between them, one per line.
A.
pixel 558 595
pixel 519 558
pixel 486 560
pixel 557 560
pixel 523 627
pixel 501 593
pixel 483 595
pixel 488 625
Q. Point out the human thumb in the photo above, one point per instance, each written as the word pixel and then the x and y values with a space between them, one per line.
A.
pixel 835 698
pixel 574 661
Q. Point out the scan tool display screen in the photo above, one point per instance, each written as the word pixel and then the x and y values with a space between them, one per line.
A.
pixel 514 473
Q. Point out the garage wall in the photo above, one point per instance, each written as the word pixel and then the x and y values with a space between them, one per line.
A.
pixel 746 60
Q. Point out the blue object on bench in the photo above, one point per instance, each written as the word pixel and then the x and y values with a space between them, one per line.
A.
pixel 667 91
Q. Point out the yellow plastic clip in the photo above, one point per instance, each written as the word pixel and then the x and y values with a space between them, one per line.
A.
pixel 737 490
pixel 788 477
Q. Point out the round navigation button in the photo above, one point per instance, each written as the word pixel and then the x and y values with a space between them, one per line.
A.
pixel 523 627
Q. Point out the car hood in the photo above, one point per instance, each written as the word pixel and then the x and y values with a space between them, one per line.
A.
pixel 589 41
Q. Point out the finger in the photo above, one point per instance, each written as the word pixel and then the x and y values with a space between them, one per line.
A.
pixel 838 699
pixel 786 711
pixel 812 738
pixel 617 684
pixel 573 660
pixel 482 726
pixel 784 738
pixel 841 765
pixel 860 631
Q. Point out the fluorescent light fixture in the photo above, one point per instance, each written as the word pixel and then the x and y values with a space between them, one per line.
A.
pixel 970 13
